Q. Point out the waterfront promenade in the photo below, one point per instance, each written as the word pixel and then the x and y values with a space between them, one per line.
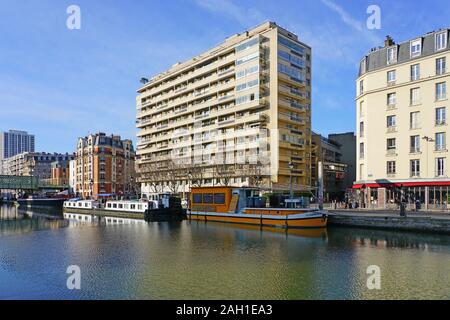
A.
pixel 418 221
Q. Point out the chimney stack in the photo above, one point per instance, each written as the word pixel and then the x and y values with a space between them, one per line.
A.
pixel 389 41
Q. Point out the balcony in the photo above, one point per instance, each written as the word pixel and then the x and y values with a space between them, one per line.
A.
pixel 414 150
pixel 392 129
pixel 440 148
pixel 391 152
pixel 391 106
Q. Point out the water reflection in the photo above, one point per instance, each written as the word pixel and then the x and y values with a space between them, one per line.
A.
pixel 14 221
pixel 197 260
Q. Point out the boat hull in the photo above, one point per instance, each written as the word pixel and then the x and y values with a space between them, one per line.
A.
pixel 58 203
pixel 295 221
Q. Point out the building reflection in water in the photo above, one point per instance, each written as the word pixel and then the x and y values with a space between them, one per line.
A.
pixel 15 221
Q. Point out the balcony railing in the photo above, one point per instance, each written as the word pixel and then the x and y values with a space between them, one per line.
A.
pixel 414 150
pixel 440 147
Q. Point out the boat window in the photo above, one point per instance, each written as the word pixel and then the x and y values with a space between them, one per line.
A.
pixel 219 198
pixel 109 205
pixel 197 198
pixel 139 207
pixel 207 198
pixel 114 205
pixel 120 206
pixel 133 206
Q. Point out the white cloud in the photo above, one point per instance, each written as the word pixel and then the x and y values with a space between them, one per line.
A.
pixel 344 15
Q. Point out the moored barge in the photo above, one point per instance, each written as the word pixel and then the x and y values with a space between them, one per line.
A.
pixel 244 206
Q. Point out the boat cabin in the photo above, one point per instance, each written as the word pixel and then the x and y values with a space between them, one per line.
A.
pixel 128 206
pixel 81 204
pixel 225 199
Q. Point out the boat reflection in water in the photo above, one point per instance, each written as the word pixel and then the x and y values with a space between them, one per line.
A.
pixel 78 218
pixel 305 233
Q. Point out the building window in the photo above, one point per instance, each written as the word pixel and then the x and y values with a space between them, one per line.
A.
pixel 440 167
pixel 415 72
pixel 391 99
pixel 415 168
pixel 415 96
pixel 440 141
pixel 361 129
pixel 391 55
pixel 361 171
pixel 415 144
pixel 361 87
pixel 441 41
pixel 440 66
pixel 416 48
pixel 391 76
pixel 361 150
pixel 440 116
pixel 361 109
pixel 414 120
pixel 391 144
pixel 363 65
pixel 391 121
pixel 441 91
pixel 391 167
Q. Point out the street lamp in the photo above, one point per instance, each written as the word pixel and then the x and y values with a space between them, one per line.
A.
pixel 291 193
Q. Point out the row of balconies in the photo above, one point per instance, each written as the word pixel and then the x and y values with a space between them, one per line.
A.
pixel 220 63
pixel 190 101
pixel 236 121
pixel 191 119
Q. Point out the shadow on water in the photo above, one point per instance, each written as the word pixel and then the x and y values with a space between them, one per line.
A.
pixel 15 220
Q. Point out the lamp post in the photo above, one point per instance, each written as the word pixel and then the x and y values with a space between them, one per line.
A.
pixel 291 191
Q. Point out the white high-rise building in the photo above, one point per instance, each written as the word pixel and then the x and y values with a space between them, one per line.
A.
pixel 15 142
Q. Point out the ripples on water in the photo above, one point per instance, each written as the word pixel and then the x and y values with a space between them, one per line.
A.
pixel 193 260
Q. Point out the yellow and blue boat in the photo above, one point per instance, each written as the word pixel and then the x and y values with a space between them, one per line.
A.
pixel 243 206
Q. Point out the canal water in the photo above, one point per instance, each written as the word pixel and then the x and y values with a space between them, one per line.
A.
pixel 194 260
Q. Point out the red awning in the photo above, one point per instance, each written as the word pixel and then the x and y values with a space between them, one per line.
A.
pixel 403 184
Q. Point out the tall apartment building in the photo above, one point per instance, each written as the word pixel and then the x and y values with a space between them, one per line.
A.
pixel 402 103
pixel 105 166
pixel 15 142
pixel 239 114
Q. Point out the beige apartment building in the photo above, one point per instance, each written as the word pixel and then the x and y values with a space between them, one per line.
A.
pixel 402 103
pixel 238 114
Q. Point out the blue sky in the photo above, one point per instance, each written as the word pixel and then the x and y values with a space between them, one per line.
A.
pixel 61 84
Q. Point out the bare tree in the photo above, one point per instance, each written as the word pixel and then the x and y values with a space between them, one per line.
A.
pixel 256 173
pixel 224 172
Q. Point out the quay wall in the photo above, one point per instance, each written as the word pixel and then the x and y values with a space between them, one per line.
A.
pixel 425 224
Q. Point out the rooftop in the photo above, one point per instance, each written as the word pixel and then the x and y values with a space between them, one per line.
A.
pixel 377 58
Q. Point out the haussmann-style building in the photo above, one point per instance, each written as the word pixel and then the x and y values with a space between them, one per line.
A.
pixel 402 105
pixel 240 114
pixel 105 167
